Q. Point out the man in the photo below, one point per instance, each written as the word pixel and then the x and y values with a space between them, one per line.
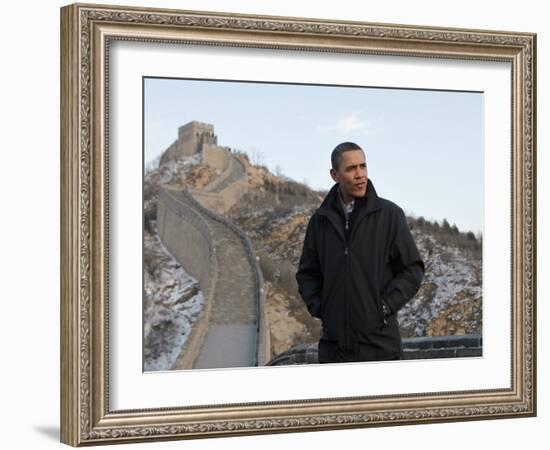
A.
pixel 359 265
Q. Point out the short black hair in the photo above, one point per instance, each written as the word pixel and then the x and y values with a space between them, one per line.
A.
pixel 336 155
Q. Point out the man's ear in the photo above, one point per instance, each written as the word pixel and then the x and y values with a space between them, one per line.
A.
pixel 334 175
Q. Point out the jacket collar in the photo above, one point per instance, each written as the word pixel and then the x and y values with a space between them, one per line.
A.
pixel 333 209
pixel 366 205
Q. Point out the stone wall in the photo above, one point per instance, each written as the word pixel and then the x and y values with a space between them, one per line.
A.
pixel 185 234
pixel 226 190
pixel 469 345
pixel 460 346
pixel 221 202
pixel 187 237
pixel 263 339
pixel 234 172
pixel 215 156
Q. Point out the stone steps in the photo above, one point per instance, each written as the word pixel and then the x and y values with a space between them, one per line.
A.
pixel 235 289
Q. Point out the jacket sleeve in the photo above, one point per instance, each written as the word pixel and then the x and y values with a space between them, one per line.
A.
pixel 309 275
pixel 407 267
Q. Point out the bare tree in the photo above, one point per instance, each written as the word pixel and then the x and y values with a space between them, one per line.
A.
pixel 256 156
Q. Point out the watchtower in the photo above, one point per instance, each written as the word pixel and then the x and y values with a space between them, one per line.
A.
pixel 191 138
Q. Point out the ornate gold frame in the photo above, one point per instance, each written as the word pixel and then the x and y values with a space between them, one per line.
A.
pixel 86 31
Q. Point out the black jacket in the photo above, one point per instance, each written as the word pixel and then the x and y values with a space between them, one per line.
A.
pixel 346 276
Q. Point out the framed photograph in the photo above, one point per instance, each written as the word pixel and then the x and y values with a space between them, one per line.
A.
pixel 195 146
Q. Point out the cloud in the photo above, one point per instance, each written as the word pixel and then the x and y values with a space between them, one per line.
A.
pixel 348 123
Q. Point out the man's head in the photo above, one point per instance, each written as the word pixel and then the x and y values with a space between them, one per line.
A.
pixel 349 168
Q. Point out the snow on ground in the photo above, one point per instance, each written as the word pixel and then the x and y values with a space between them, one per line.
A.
pixel 173 302
pixel 451 283
pixel 172 170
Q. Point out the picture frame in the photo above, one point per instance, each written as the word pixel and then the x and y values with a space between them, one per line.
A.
pixel 87 34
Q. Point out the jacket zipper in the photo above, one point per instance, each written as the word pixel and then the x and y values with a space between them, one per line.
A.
pixel 346 277
pixel 347 242
pixel 346 306
pixel 344 236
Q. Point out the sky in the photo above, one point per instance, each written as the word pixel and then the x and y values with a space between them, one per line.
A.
pixel 424 148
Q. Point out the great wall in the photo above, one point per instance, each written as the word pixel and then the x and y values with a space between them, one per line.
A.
pixel 232 329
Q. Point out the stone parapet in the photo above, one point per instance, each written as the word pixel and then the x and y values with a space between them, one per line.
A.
pixel 216 157
pixel 458 346
pixel 220 181
pixel 188 238
pixel 226 190
pixel 469 345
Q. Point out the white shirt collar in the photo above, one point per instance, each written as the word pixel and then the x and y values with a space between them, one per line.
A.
pixel 348 207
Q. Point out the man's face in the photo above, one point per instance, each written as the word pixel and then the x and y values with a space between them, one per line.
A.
pixel 351 174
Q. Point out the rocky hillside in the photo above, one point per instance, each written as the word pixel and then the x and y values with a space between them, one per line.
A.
pixel 449 301
pixel 172 303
